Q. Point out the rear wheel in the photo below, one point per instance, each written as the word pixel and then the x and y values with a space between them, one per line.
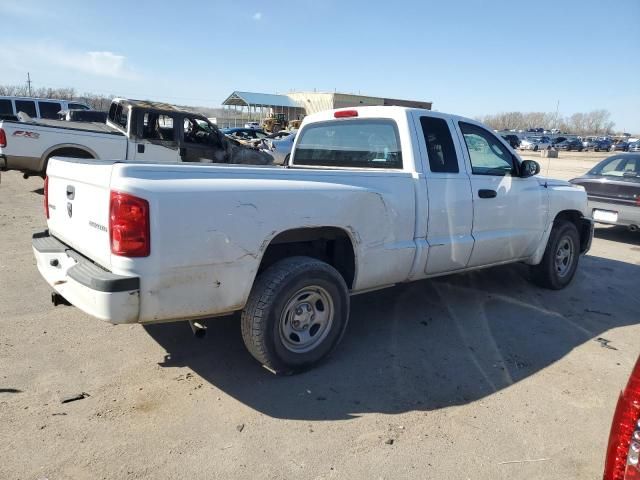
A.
pixel 560 259
pixel 296 314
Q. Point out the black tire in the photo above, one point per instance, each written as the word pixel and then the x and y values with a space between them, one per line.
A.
pixel 274 292
pixel 535 149
pixel 548 273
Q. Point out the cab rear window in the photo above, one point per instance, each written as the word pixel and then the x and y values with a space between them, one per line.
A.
pixel 359 143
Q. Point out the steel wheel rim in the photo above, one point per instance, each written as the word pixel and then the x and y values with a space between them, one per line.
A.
pixel 564 256
pixel 306 319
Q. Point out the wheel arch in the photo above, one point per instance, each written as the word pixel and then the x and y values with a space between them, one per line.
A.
pixel 583 225
pixel 330 244
pixel 66 147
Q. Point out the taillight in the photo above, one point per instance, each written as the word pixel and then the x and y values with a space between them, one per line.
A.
pixel 46 197
pixel 3 138
pixel 129 232
pixel 345 113
pixel 623 451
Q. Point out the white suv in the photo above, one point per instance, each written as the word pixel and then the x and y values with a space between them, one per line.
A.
pixel 37 107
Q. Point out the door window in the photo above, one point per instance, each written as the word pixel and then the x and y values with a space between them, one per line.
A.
pixel 26 106
pixel 487 154
pixel 49 109
pixel 440 149
pixel 158 127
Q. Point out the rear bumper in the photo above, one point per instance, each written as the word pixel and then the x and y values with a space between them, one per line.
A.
pixel 3 162
pixel 98 292
pixel 627 214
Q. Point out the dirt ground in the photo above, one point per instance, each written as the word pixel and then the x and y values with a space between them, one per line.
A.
pixel 475 376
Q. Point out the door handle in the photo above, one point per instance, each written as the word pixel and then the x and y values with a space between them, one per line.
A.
pixel 71 192
pixel 482 193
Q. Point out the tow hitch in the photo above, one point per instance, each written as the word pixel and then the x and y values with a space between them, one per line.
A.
pixel 58 299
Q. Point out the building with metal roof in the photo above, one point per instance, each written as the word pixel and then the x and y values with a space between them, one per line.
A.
pixel 244 107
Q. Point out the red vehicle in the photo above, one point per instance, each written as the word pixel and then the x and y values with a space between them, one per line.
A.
pixel 623 451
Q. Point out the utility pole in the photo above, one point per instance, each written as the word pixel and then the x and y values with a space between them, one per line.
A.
pixel 29 83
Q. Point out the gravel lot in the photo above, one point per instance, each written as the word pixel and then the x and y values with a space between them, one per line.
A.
pixel 480 376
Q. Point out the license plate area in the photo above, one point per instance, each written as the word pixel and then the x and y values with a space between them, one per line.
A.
pixel 605 216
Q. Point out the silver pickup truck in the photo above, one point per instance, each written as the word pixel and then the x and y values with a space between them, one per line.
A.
pixel 135 130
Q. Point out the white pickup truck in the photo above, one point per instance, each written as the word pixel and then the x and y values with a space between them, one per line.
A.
pixel 372 197
pixel 136 130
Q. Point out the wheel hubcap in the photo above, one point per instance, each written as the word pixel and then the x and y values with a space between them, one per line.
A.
pixel 306 319
pixel 564 256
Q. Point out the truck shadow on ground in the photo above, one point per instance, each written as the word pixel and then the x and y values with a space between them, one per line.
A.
pixel 618 234
pixel 422 346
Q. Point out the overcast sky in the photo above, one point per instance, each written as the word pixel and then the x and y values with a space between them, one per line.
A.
pixel 470 57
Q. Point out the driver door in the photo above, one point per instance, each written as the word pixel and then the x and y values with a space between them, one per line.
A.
pixel 197 145
pixel 509 212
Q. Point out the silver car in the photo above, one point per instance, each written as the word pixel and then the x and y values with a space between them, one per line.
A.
pixel 281 148
pixel 613 189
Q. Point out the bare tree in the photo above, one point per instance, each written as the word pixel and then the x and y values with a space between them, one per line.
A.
pixel 596 122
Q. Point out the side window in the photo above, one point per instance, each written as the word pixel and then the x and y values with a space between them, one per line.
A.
pixel 5 107
pixel 157 127
pixel 440 149
pixel 350 143
pixel 77 106
pixel 488 155
pixel 192 131
pixel 615 167
pixel 49 109
pixel 26 106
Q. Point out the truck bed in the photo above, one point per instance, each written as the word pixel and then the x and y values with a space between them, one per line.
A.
pixel 78 126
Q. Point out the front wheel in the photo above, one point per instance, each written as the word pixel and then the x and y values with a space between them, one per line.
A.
pixel 296 314
pixel 560 259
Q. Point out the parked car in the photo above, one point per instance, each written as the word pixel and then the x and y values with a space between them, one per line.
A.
pixel 599 145
pixel 254 125
pixel 263 142
pixel 38 108
pixel 613 189
pixel 569 144
pixel 143 243
pixel 513 140
pixel 135 130
pixel 244 134
pixel 622 460
pixel 535 143
pixel 280 149
pixel 621 146
pixel 634 146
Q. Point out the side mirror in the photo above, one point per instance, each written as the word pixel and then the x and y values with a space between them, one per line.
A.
pixel 529 168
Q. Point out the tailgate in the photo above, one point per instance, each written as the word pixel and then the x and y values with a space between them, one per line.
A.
pixel 78 193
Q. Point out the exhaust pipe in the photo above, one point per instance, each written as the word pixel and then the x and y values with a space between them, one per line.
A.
pixel 633 228
pixel 58 299
pixel 199 330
